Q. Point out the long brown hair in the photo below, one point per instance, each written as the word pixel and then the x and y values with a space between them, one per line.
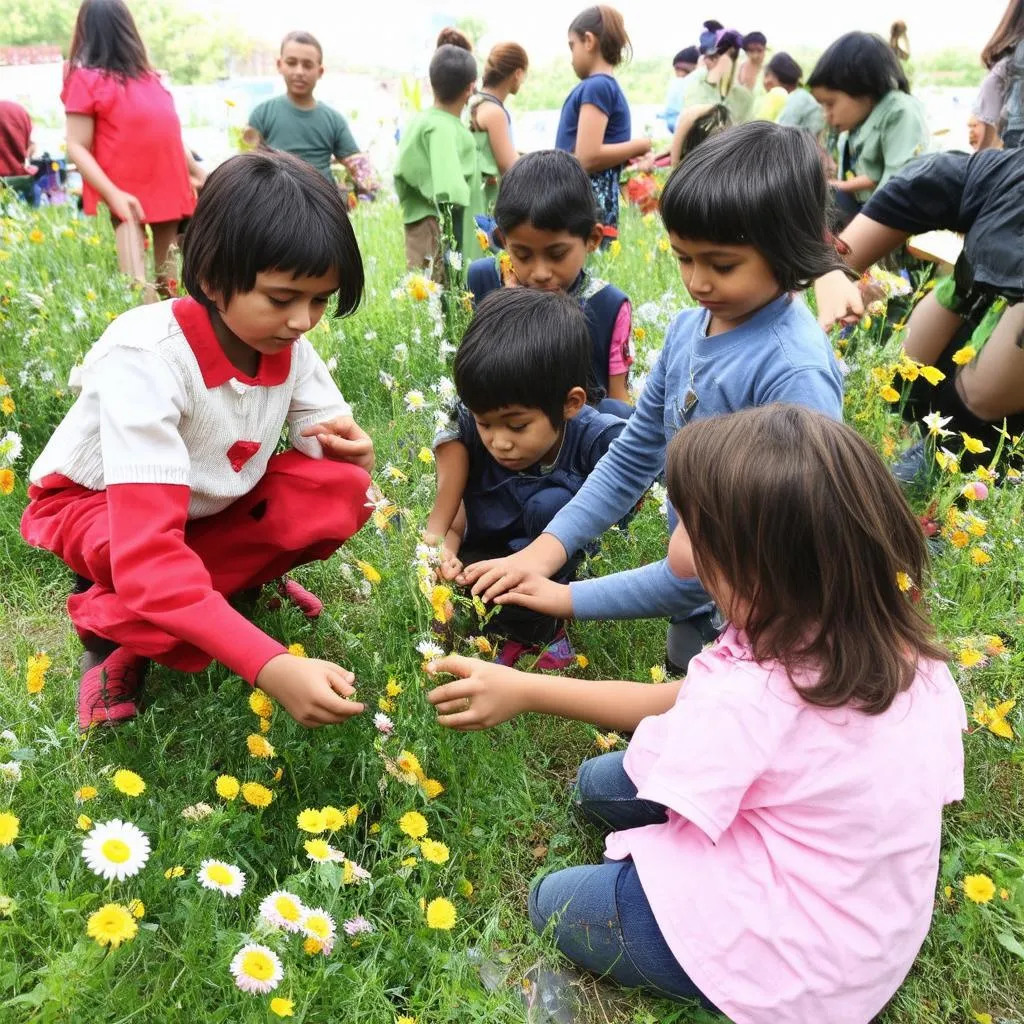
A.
pixel 106 38
pixel 802 520
pixel 606 25
pixel 1009 32
pixel 504 60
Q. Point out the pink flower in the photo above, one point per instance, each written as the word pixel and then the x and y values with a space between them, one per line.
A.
pixel 975 491
pixel 383 723
pixel 358 926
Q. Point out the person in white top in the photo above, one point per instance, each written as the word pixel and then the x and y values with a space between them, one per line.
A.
pixel 160 488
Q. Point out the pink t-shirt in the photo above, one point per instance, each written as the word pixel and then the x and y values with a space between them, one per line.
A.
pixel 620 352
pixel 795 876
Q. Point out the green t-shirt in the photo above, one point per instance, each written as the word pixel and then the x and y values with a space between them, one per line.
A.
pixel 887 140
pixel 437 163
pixel 312 135
pixel 802 110
pixel 700 92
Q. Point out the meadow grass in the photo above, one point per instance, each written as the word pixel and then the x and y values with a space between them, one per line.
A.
pixel 504 811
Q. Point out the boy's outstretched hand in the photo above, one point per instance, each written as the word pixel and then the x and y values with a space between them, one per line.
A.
pixel 343 439
pixel 539 594
pixel 484 695
pixel 838 298
pixel 313 692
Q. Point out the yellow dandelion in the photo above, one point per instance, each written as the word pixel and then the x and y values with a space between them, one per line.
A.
pixel 84 822
pixel 259 746
pixel 7 485
pixel 311 821
pixel 84 793
pixel 903 581
pixel 35 674
pixel 1004 894
pixel 409 862
pixel 657 674
pixel 964 355
pixel 393 688
pixel 889 393
pixel 959 538
pixel 995 646
pixel 426 456
pixel 980 557
pixel 972 444
pixel 374 829
pixel 979 888
pixel 334 820
pixel 432 788
pixel 256 794
pixel 36 236
pixel 435 852
pixel 933 375
pixel 264 725
pixel 994 719
pixel 138 909
pixel 482 645
pixel 111 925
pixel 368 571
pixel 441 914
pixel 311 947
pixel 128 782
pixel 413 824
pixel 10 825
pixel 260 704
pixel 405 1020
pixel 317 850
pixel 439 598
pixel 385 705
pixel 409 763
pixel 227 787
pixel 177 871
pixel 582 661
pixel 352 814
pixel 7 406
pixel 297 650
pixel 971 657
pixel 282 1007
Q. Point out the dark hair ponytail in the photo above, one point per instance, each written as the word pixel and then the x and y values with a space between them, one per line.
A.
pixel 606 25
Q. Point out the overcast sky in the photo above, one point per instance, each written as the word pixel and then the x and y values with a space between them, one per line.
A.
pixel 398 33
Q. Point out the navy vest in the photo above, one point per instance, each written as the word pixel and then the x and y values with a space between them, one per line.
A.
pixel 599 301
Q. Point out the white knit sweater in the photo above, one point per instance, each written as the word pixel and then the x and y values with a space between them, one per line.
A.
pixel 145 414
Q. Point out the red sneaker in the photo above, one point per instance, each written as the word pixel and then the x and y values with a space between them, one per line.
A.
pixel 108 690
pixel 309 604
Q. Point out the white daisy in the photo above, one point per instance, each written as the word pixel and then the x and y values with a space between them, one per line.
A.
pixel 10 447
pixel 401 352
pixel 115 849
pixel 318 924
pixel 256 969
pixel 381 722
pixel 8 736
pixel 283 910
pixel 358 926
pixel 224 878
pixel 414 400
pixel 429 650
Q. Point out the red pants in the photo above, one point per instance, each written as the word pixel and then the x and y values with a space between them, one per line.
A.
pixel 303 509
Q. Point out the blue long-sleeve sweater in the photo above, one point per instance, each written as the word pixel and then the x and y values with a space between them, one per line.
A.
pixel 779 355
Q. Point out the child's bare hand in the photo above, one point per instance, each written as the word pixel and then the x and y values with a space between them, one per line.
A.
pixel 451 564
pixel 343 439
pixel 539 594
pixel 313 692
pixel 839 299
pixel 483 696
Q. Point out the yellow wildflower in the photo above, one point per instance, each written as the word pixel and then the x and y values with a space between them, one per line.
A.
pixel 994 719
pixel 259 746
pixel 657 674
pixel 311 947
pixel 413 824
pixel 312 821
pixel 409 862
pixel 959 538
pixel 178 871
pixel 889 393
pixel 441 914
pixel 439 603
pixel 964 355
pixel 111 925
pixel 979 888
pixel 980 556
pixel 393 687
pixel 425 455
pixel 256 794
pixel 483 645
pixel 35 676
pixel 6 480
pixel 352 814
pixel 84 793
pixel 128 782
pixel 933 375
pixel 368 571
pixel 333 818
pixel 435 852
pixel 1004 894
pixel 227 787
pixel 297 650
pixel 432 788
pixel 35 235
pixel 606 742
pixel 10 825
pixel 385 704
pixel 282 1007
pixel 971 657
pixel 582 661
pixel 7 406
pixel 264 725
pixel 466 888
pixel 972 444
pixel 260 704
pixel 409 763
pixel 138 909
pixel 84 822
pixel 994 645
pixel 903 581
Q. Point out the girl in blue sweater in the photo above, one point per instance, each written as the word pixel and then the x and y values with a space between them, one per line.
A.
pixel 745 214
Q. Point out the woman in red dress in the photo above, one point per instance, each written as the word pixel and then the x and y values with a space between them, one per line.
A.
pixel 124 135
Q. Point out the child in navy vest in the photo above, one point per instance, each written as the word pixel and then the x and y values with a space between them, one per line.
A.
pixel 547 218
pixel 519 445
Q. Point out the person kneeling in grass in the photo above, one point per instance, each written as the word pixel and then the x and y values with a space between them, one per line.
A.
pixel 760 859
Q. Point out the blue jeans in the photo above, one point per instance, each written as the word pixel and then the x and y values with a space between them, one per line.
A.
pixel 599 914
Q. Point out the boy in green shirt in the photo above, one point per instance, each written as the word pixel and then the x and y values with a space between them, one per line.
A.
pixel 297 123
pixel 437 161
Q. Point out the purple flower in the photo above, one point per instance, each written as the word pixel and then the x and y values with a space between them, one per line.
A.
pixel 358 926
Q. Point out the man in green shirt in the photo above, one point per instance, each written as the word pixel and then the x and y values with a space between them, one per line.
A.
pixel 299 124
pixel 437 162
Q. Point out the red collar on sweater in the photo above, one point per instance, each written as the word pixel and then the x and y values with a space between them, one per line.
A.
pixel 214 365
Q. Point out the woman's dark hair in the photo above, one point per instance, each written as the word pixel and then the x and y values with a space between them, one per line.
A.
pixel 303 39
pixel 752 488
pixel 711 25
pixel 266 211
pixel 106 38
pixel 451 36
pixel 504 60
pixel 550 190
pixel 754 39
pixel 1009 32
pixel 713 121
pixel 523 347
pixel 785 69
pixel 606 25
pixel 759 184
pixel 687 55
pixel 452 69
pixel 859 64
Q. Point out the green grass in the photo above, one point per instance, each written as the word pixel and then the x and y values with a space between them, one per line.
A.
pixel 503 813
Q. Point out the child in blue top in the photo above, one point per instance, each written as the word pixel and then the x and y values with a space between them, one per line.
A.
pixel 520 444
pixel 548 224
pixel 595 122
pixel 745 242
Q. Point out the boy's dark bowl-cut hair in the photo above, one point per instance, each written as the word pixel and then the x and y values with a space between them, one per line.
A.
pixel 266 211
pixel 759 184
pixel 523 347
pixel 451 70
pixel 859 64
pixel 550 190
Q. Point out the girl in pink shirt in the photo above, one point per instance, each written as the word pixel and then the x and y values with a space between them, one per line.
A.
pixel 775 822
